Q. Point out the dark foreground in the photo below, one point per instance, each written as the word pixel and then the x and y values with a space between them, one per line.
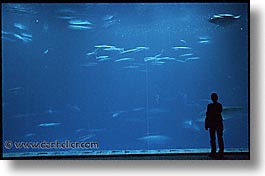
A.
pixel 186 156
pixel 129 155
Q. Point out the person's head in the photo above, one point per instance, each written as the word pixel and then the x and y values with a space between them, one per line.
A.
pixel 214 97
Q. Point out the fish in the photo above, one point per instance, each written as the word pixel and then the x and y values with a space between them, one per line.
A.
pixel 20 9
pixel 183 41
pixel 79 22
pixel 158 55
pixel 20 26
pixel 181 47
pixel 223 19
pixel 18 36
pixel 103 46
pixel 184 55
pixel 203 38
pixel 65 17
pixel 9 36
pixel 157 63
pixel 109 20
pixel 129 51
pixel 117 113
pixel 102 57
pixel 79 27
pixel 15 89
pixel 92 53
pixel 165 58
pixel 229 112
pixel 142 48
pixel 155 139
pixel 23 36
pixel 137 49
pixel 149 58
pixel 229 109
pixel 7 33
pixel 49 124
pixel 26 35
pixel 51 111
pixel 113 49
pixel 30 134
pixel 138 109
pixel 46 51
pixel 204 41
pixel 124 59
pixel 192 58
pixel 108 17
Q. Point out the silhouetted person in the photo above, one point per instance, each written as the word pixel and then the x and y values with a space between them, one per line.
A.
pixel 214 122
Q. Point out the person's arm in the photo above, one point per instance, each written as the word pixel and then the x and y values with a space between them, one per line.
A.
pixel 206 123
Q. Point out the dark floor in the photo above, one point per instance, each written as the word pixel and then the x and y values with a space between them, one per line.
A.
pixel 184 156
pixel 161 154
pixel 202 156
pixel 199 156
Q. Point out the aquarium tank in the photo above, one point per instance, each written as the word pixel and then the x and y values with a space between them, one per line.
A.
pixel 122 78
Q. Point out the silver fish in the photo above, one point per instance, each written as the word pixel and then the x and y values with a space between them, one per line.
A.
pixel 181 47
pixel 46 51
pixel 113 49
pixel 124 59
pixel 20 26
pixel 49 124
pixel 165 58
pixel 102 57
pixel 104 46
pixel 92 53
pixel 155 138
pixel 79 27
pixel 79 22
pixel 223 19
pixel 192 58
pixel 204 41
pixel 184 55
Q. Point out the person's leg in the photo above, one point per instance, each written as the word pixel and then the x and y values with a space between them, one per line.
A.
pixel 220 139
pixel 212 140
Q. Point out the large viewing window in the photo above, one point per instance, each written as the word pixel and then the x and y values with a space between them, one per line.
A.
pixel 122 78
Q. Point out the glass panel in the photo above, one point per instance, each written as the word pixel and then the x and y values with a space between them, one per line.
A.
pixel 132 78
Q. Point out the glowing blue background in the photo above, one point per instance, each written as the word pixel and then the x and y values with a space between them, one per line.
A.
pixel 47 77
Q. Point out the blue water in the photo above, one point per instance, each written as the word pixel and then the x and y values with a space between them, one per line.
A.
pixel 127 76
